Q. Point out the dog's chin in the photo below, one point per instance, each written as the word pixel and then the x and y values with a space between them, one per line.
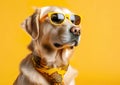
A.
pixel 65 45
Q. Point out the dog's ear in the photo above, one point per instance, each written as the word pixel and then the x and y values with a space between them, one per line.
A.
pixel 31 24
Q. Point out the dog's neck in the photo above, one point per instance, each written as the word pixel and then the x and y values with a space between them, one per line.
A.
pixel 56 58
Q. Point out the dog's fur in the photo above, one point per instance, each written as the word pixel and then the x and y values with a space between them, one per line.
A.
pixel 44 34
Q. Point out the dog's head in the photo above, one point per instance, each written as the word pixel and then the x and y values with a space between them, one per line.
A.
pixel 53 28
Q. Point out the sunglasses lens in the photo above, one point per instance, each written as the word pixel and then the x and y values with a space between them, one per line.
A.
pixel 75 19
pixel 57 18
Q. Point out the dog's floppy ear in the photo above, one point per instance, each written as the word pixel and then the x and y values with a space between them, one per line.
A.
pixel 31 24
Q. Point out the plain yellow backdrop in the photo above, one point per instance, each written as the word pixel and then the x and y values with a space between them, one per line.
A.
pixel 97 58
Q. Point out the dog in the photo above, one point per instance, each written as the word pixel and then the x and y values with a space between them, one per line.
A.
pixel 55 31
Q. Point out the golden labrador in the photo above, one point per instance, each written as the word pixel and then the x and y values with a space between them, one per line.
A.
pixel 54 31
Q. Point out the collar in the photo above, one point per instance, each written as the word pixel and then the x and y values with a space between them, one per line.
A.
pixel 53 75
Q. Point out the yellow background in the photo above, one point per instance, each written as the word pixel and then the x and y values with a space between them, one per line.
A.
pixel 97 58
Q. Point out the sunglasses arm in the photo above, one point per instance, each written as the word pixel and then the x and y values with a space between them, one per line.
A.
pixel 43 18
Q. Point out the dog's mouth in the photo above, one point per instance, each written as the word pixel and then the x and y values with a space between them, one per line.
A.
pixel 69 44
pixel 57 45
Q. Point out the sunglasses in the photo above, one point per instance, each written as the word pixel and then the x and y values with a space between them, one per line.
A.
pixel 59 18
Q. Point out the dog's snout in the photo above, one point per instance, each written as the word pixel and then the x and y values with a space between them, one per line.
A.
pixel 75 31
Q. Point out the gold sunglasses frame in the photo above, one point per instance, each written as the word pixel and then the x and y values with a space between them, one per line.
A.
pixel 66 16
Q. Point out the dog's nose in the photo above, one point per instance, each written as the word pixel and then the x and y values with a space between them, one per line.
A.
pixel 75 31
